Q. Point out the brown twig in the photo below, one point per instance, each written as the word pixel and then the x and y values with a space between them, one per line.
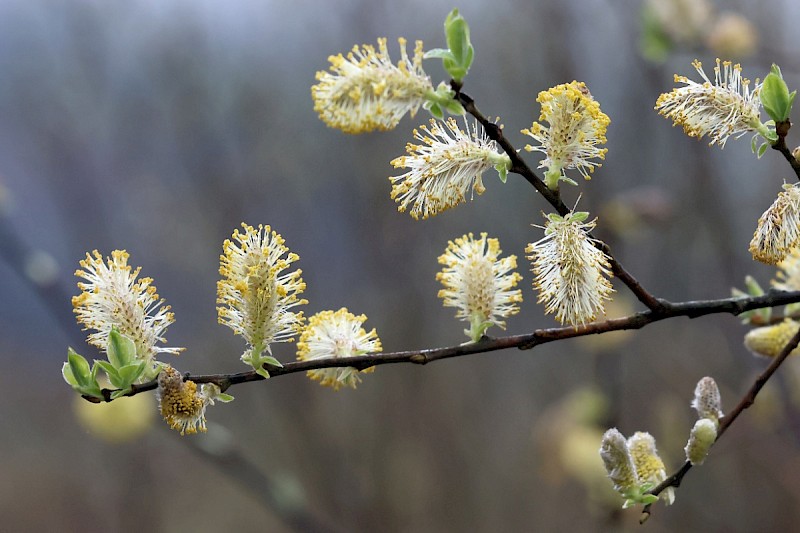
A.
pixel 782 129
pixel 725 422
pixel 690 309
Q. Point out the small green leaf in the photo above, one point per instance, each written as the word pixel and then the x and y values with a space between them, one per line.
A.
pixel 762 149
pixel 119 393
pixel 121 350
pixel 752 285
pixel 579 216
pixel 111 372
pixel 76 372
pixel 436 111
pixel 754 143
pixel 502 171
pixel 775 95
pixel 648 499
pixel 268 359
pixel 79 368
pixel 224 398
pixel 263 373
pixel 454 107
pixel 69 377
pixel 439 53
pixel 130 373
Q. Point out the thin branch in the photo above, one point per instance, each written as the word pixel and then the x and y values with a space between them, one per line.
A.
pixel 782 129
pixel 690 309
pixel 725 422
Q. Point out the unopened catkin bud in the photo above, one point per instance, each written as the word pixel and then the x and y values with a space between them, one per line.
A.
pixel 702 437
pixel 707 400
pixel 768 341
pixel 796 154
pixel 618 461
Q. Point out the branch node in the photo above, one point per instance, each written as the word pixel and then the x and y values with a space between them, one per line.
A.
pixel 419 359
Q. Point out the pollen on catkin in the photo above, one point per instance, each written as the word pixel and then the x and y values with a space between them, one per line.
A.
pixel 182 405
pixel 720 109
pixel 336 334
pixel 256 296
pixel 649 466
pixel 444 170
pixel 576 128
pixel 778 228
pixel 478 283
pixel 570 272
pixel 364 91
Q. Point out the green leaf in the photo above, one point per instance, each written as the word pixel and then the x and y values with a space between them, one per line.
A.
pixel 439 53
pixel 76 372
pixel 762 149
pixel 654 43
pixel 224 398
pixel 268 359
pixel 649 499
pixel 121 350
pixel 130 373
pixel 579 216
pixel 458 58
pixel 79 368
pixel 69 377
pixel 263 373
pixel 754 143
pixel 111 372
pixel 752 285
pixel 775 95
pixel 502 171
pixel 454 107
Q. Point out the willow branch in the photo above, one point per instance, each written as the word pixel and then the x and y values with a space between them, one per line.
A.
pixel 690 309
pixel 518 166
pixel 782 129
pixel 725 422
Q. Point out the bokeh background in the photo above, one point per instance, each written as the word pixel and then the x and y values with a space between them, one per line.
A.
pixel 158 126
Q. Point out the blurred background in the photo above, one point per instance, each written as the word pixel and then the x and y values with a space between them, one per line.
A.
pixel 158 126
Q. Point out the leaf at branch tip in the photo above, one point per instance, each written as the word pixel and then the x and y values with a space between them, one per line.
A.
pixel 77 374
pixel 775 95
pixel 78 368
